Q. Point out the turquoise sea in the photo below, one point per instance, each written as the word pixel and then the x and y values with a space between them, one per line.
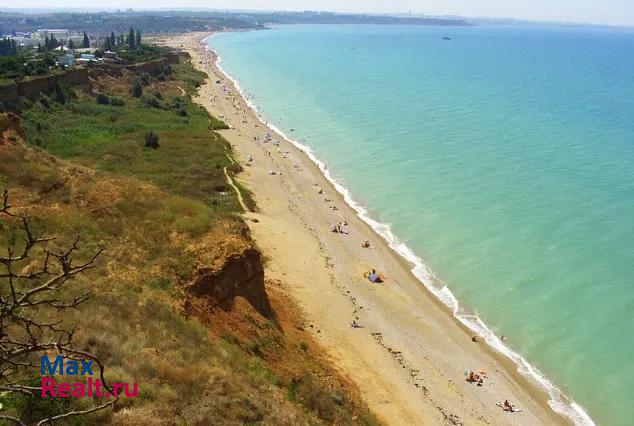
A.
pixel 504 158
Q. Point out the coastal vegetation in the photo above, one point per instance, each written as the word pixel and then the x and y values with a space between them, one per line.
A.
pixel 76 162
pixel 102 23
pixel 47 56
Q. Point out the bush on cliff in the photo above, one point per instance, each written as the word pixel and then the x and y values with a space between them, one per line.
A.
pixel 150 101
pixel 103 99
pixel 137 88
pixel 151 140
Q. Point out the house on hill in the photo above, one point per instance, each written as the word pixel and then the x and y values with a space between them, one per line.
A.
pixel 60 34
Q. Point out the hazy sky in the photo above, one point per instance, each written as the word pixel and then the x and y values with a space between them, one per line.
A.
pixel 615 12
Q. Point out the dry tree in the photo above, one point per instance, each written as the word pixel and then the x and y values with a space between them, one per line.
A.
pixel 31 307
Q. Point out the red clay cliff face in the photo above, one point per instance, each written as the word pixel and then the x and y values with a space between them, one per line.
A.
pixel 242 275
pixel 229 267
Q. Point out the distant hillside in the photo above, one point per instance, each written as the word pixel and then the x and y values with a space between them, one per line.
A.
pixel 101 23
pixel 161 22
pixel 309 17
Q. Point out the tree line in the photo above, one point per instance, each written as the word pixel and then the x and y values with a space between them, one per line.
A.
pixel 51 43
pixel 8 47
pixel 132 40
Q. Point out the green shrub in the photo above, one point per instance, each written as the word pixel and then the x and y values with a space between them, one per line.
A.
pixel 177 102
pixel 44 100
pixel 151 102
pixel 23 104
pixel 103 99
pixel 151 140
pixel 292 391
pixel 60 94
pixel 137 88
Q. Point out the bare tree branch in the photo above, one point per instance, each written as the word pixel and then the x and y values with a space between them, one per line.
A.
pixel 13 419
pixel 29 297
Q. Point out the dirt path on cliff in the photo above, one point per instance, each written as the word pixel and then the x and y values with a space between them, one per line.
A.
pixel 409 356
pixel 235 188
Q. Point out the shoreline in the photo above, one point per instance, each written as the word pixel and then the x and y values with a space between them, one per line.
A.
pixel 469 321
pixel 542 391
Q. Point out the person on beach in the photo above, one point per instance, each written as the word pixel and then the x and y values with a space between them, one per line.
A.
pixel 374 277
pixel 507 406
pixel 365 244
pixel 476 378
pixel 341 225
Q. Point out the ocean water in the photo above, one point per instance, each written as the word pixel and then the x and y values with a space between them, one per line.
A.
pixel 502 158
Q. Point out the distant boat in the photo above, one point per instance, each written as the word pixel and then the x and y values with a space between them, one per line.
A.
pixel 446 38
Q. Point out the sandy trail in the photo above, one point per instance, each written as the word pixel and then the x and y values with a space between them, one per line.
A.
pixel 410 355
pixel 235 188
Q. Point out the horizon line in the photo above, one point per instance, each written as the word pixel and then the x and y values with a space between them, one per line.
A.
pixel 404 15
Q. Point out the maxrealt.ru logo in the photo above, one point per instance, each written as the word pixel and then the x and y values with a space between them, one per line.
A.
pixel 80 389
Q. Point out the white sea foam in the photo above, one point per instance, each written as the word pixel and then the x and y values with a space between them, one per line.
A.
pixel 559 402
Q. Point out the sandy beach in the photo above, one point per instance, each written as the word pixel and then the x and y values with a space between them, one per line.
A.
pixel 409 356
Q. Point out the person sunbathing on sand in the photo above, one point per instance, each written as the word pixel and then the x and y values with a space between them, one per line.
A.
pixel 475 378
pixel 365 244
pixel 508 407
pixel 374 277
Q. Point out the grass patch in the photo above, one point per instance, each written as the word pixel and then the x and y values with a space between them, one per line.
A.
pixel 191 77
pixel 111 138
pixel 145 53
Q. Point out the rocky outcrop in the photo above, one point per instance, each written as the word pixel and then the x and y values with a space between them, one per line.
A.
pixel 229 267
